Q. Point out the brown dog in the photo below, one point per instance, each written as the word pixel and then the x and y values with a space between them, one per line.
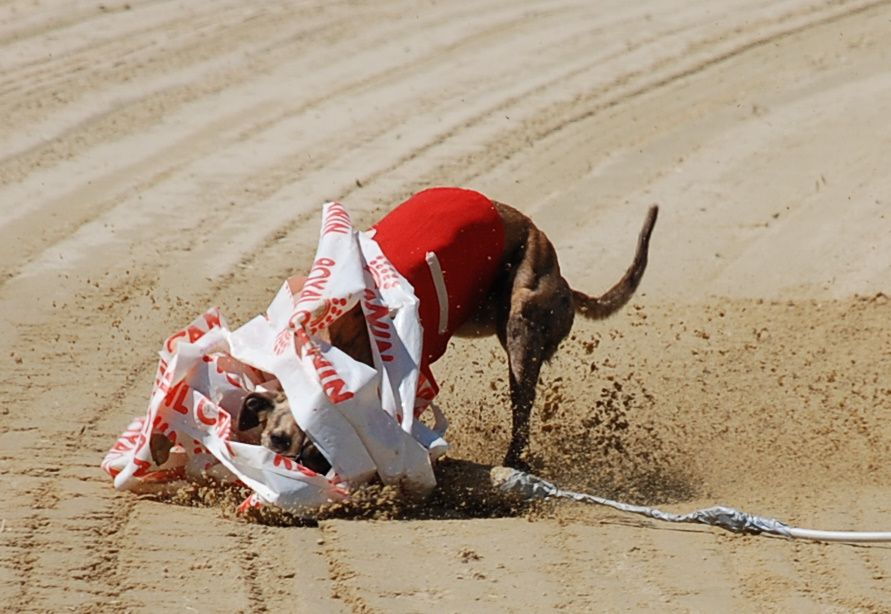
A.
pixel 279 431
pixel 515 291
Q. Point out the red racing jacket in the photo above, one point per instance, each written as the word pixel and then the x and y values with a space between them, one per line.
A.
pixel 448 243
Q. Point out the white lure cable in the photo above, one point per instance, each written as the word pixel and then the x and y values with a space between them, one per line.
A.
pixel 529 486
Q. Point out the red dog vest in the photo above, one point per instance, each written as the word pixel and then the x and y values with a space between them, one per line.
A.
pixel 447 242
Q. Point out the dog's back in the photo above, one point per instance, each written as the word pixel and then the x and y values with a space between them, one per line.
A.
pixel 448 243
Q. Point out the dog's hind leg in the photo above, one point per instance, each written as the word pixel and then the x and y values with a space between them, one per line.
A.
pixel 539 316
pixel 524 364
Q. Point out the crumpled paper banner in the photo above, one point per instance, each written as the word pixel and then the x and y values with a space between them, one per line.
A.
pixel 363 419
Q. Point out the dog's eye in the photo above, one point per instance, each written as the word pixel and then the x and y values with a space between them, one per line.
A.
pixel 257 403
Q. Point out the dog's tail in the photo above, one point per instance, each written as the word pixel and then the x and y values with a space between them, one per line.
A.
pixel 599 307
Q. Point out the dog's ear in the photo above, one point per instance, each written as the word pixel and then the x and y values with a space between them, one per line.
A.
pixel 252 409
pixel 160 446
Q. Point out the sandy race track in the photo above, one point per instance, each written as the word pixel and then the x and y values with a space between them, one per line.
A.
pixel 159 157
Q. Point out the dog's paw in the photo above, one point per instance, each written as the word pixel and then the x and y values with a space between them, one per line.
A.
pixel 518 462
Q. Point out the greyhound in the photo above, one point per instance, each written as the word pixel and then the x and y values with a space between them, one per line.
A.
pixel 493 271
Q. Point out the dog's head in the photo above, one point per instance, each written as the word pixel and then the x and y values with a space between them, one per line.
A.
pixel 271 412
pixel 280 432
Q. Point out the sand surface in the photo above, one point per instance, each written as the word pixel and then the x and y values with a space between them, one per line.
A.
pixel 159 157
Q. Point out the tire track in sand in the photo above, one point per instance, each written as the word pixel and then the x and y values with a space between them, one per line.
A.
pixel 230 129
pixel 110 544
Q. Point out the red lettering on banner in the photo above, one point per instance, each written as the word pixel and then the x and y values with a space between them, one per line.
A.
pixel 158 424
pixel 306 471
pixel 232 380
pixel 308 295
pixel 176 397
pixel 337 227
pixel 332 384
pixel 194 332
pixel 328 311
pixel 337 221
pixel 299 319
pixel 383 273
pixel 235 379
pixel 224 431
pixel 280 460
pixel 290 465
pixel 333 309
pixel 163 382
pixel 316 280
pixel 229 449
pixel 281 341
pixel 383 347
pixel 320 271
pixel 301 341
pixel 203 417
pixel 141 440
pixel 161 375
pixel 142 467
pixel 169 343
pixel 380 328
pixel 312 289
pixel 250 503
pixel 376 315
pixel 212 319
pixel 425 393
pixel 334 390
pixel 127 441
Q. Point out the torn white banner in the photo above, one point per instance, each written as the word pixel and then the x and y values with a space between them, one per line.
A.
pixel 362 419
